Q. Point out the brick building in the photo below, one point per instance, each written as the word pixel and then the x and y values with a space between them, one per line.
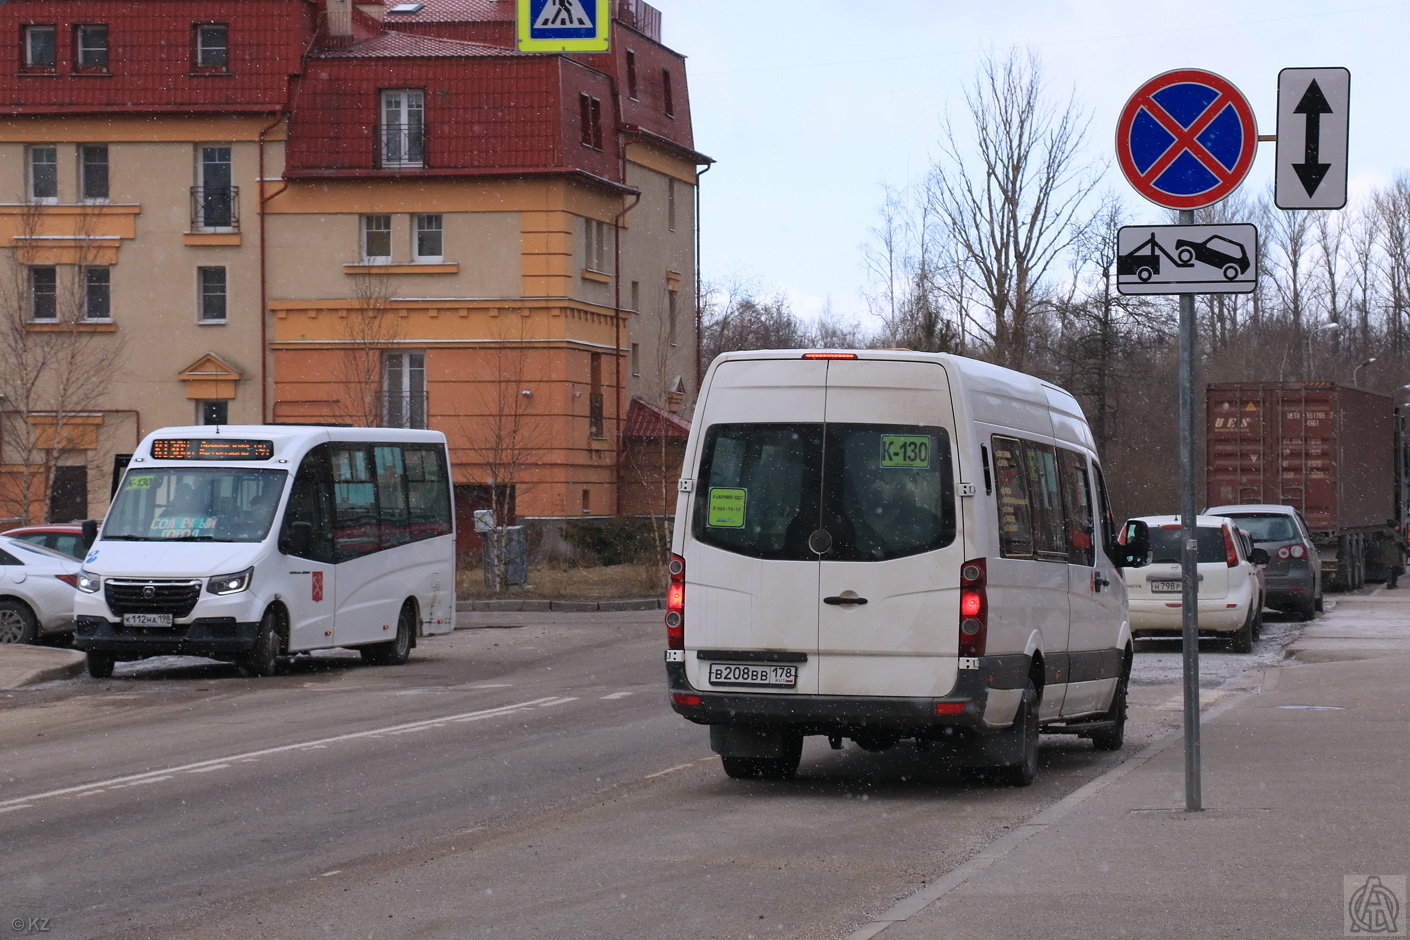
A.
pixel 282 210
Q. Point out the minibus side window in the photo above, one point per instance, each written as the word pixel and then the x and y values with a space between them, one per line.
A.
pixel 1108 520
pixel 355 529
pixel 428 493
pixel 393 515
pixel 1077 503
pixel 1045 496
pixel 309 501
pixel 1015 514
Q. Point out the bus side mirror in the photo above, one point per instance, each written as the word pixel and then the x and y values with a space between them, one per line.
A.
pixel 1135 547
pixel 300 539
pixel 90 533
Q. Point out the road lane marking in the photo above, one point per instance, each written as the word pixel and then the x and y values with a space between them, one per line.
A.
pixel 152 776
pixel 669 770
pixel 615 695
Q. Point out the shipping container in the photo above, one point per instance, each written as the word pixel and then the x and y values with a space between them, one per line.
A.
pixel 1333 453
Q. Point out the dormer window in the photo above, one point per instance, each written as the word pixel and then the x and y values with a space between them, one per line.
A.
pixel 90 48
pixel 211 47
pixel 39 48
pixel 403 131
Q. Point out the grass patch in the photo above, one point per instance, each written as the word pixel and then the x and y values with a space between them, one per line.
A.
pixel 599 583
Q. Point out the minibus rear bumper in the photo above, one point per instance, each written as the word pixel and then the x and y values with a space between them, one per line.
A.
pixel 217 637
pixel 964 707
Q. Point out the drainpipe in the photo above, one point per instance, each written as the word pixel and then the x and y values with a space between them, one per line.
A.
pixel 699 302
pixel 617 334
pixel 263 268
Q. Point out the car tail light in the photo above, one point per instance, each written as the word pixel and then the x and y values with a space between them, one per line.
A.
pixel 70 579
pixel 1231 555
pixel 1297 551
pixel 1284 553
pixel 675 605
pixel 974 608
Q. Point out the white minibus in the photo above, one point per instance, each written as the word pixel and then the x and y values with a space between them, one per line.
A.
pixel 253 542
pixel 880 545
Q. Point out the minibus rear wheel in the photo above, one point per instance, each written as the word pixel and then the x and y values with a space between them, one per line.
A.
pixel 396 651
pixel 1025 724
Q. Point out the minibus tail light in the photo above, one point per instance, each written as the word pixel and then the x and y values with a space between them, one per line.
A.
pixel 974 608
pixel 675 605
pixel 830 355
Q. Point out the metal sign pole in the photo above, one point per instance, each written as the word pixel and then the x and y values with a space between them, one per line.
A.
pixel 1189 555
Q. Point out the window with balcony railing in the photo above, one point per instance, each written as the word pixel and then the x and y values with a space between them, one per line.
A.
pixel 401 135
pixel 404 390
pixel 215 208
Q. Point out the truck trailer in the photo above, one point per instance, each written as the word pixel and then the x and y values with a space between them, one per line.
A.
pixel 1336 454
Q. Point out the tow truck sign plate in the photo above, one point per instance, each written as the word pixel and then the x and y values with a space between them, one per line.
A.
pixel 1187 259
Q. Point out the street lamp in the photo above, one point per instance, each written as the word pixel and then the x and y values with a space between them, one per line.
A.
pixel 1357 371
pixel 1325 326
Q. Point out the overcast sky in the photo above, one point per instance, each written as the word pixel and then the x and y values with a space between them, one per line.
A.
pixel 811 106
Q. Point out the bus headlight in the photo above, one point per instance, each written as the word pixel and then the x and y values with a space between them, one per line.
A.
pixel 89 583
pixel 230 583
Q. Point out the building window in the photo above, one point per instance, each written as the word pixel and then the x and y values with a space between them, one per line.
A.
pixel 668 98
pixel 404 376
pixel 90 47
pixel 595 245
pixel 44 293
pixel 671 204
pixel 671 311
pixel 214 201
pixel 211 47
pixel 590 120
pixel 597 424
pixel 377 238
pixel 215 412
pixel 211 284
pixel 636 296
pixel 636 360
pixel 93 171
pixel 44 173
pixel 39 47
pixel 97 293
pixel 429 237
pixel 631 74
pixel 403 127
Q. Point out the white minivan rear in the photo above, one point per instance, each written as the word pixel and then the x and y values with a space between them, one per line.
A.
pixel 879 545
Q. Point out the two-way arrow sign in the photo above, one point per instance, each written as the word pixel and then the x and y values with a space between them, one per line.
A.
pixel 1312 125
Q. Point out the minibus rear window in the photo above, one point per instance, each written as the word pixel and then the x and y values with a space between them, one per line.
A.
pixel 878 491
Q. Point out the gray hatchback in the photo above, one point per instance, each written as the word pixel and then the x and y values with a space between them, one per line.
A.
pixel 1294 571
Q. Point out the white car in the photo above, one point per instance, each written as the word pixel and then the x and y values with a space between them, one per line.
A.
pixel 37 587
pixel 1230 587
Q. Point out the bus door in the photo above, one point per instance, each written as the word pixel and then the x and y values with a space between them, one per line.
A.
pixel 309 592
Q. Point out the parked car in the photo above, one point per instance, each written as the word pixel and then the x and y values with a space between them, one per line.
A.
pixel 1230 593
pixel 64 537
pixel 37 587
pixel 1294 569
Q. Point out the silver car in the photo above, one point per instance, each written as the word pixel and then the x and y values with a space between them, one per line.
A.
pixel 36 591
pixel 1294 571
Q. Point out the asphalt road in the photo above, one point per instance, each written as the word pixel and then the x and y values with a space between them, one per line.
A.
pixel 521 778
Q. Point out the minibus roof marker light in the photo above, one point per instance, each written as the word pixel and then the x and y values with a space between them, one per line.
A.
pixel 829 355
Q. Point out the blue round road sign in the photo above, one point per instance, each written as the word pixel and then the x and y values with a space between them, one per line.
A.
pixel 1186 139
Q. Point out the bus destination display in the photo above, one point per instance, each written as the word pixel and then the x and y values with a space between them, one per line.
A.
pixel 211 448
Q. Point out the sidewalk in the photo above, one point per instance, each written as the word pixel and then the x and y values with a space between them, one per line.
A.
pixel 1304 794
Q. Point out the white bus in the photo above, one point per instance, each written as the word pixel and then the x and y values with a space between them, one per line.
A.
pixel 250 543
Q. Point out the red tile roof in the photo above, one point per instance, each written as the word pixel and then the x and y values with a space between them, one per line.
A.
pixel 393 44
pixel 646 421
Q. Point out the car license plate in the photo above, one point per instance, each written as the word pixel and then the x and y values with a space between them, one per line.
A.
pixel 759 674
pixel 1167 587
pixel 146 620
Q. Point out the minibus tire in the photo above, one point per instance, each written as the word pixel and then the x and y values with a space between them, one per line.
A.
pixel 263 659
pixel 1025 723
pixel 100 664
pixel 396 651
pixel 1111 739
pixel 767 768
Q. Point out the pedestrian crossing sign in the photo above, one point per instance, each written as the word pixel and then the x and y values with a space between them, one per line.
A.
pixel 564 25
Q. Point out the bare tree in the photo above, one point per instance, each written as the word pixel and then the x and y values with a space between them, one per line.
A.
pixel 369 329
pixel 1010 197
pixel 56 361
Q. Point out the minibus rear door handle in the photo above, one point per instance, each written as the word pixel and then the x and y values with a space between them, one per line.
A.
pixel 839 601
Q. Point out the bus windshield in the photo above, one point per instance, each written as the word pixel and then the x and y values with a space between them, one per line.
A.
pixel 209 504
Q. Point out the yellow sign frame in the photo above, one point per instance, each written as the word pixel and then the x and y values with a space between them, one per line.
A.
pixel 599 41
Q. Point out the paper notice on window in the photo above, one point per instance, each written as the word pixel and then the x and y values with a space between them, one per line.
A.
pixel 726 508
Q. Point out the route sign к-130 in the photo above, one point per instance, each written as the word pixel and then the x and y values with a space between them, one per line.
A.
pixel 1187 259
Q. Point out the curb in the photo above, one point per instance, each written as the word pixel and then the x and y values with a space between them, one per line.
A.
pixel 47 666
pixel 468 605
